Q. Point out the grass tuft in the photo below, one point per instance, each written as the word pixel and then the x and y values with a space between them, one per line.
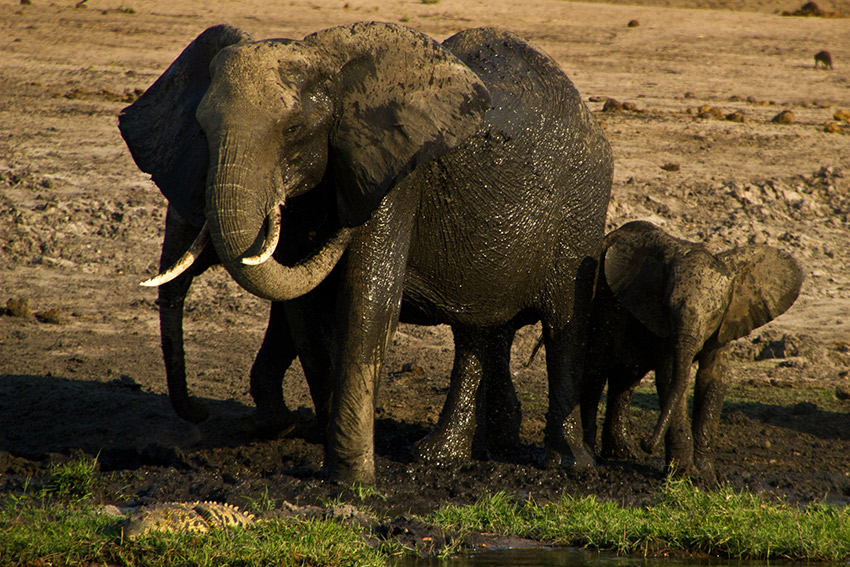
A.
pixel 72 480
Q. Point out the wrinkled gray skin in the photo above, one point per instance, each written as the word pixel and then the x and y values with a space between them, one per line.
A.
pixel 485 217
pixel 662 303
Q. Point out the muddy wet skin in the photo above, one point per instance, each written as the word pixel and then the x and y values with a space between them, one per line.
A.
pixel 81 369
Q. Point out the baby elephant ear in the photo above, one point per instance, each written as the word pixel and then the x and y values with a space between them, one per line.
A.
pixel 767 282
pixel 401 100
pixel 160 128
pixel 636 271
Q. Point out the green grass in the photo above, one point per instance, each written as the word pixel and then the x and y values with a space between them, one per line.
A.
pixel 682 520
pixel 32 532
pixel 58 523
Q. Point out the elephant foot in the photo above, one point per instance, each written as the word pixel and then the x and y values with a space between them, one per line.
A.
pixel 621 450
pixel 269 426
pixel 440 450
pixel 681 468
pixel 705 471
pixel 551 459
pixel 348 474
pixel 581 461
pixel 192 410
pixel 505 442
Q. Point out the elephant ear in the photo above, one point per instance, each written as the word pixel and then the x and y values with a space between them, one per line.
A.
pixel 635 270
pixel 160 128
pixel 767 282
pixel 401 100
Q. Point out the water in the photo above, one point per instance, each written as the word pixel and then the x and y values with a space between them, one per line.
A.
pixel 565 557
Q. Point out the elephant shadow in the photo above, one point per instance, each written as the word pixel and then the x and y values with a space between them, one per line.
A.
pixel 802 417
pixel 127 427
pixel 118 421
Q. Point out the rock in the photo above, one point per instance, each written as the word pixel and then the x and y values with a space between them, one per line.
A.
pixel 832 128
pixel 784 117
pixel 778 348
pixel 792 198
pixel 842 392
pixel 736 116
pixel 52 316
pixel 634 23
pixel 18 307
pixel 708 111
pixel 111 511
pixel 612 105
pixel 842 115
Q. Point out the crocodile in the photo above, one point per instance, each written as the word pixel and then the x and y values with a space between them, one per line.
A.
pixel 185 517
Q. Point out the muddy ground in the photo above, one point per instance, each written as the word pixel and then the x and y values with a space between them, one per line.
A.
pixel 80 226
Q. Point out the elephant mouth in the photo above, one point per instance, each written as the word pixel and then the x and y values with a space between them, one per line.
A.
pixel 273 226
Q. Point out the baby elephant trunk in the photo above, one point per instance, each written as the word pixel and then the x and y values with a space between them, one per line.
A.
pixel 672 393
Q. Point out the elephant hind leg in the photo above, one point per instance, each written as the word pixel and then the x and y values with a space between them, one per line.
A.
pixel 565 349
pixel 481 407
pixel 273 359
pixel 499 425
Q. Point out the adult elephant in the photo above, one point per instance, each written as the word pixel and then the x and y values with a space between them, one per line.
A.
pixel 467 176
pixel 662 303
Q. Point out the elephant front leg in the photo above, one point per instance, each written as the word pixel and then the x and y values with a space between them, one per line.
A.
pixel 617 441
pixel 564 365
pixel 709 392
pixel 679 444
pixel 368 304
pixel 311 324
pixel 274 358
pixel 170 298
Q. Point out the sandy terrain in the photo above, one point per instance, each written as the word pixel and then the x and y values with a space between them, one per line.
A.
pixel 80 226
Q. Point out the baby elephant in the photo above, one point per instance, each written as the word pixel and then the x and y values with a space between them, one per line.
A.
pixel 662 303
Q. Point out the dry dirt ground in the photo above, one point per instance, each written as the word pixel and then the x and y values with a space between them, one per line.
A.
pixel 80 226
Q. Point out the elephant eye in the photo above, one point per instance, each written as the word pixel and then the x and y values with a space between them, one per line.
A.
pixel 291 129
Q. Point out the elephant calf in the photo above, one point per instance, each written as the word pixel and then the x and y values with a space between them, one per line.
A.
pixel 662 303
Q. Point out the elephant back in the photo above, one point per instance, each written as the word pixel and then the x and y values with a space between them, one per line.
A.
pixel 521 77
pixel 530 93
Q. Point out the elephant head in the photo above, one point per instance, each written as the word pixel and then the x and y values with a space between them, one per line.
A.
pixel 686 295
pixel 233 128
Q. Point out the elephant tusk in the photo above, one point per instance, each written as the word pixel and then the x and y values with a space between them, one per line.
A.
pixel 272 238
pixel 184 262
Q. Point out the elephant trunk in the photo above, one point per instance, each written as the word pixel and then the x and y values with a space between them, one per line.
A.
pixel 236 211
pixel 683 355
